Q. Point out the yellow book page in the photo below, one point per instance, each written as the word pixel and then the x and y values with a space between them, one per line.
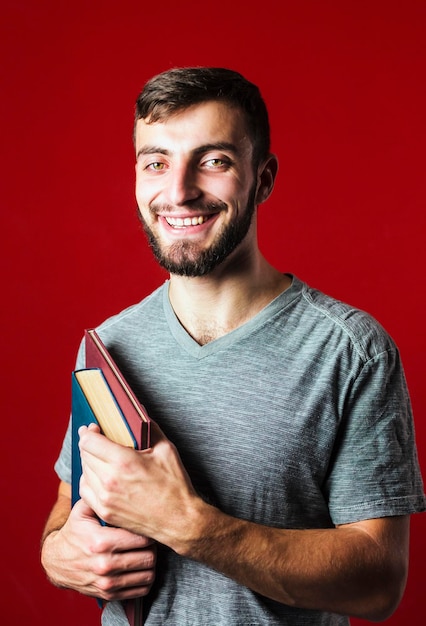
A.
pixel 104 406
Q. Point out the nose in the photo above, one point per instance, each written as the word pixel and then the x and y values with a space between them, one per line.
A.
pixel 182 186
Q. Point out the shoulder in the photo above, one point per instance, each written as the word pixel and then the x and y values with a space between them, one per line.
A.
pixel 350 324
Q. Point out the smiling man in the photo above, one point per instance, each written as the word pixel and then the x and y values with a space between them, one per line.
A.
pixel 283 469
pixel 195 198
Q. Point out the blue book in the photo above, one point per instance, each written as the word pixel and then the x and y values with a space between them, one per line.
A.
pixel 92 401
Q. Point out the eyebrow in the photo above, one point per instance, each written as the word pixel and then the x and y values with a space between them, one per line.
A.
pixel 152 150
pixel 221 145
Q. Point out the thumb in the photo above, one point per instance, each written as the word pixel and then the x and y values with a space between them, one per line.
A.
pixel 157 434
pixel 83 511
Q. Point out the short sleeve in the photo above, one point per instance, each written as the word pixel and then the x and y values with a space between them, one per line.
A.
pixel 375 471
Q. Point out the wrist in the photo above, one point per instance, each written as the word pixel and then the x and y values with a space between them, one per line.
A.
pixel 48 533
pixel 47 552
pixel 206 528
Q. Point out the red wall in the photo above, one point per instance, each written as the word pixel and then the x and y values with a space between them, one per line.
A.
pixel 344 81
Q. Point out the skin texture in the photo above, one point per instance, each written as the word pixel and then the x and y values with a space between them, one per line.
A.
pixel 197 165
pixel 79 553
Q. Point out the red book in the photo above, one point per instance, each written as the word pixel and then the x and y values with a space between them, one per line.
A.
pixel 97 356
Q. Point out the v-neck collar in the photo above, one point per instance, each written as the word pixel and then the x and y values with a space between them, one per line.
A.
pixel 198 351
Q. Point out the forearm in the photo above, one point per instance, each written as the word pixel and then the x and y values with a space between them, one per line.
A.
pixel 56 520
pixel 60 511
pixel 343 570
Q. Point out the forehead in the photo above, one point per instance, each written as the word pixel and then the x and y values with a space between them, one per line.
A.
pixel 206 124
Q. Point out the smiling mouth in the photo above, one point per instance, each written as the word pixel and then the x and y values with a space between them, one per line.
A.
pixel 183 222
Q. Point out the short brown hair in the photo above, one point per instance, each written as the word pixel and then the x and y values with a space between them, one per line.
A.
pixel 178 88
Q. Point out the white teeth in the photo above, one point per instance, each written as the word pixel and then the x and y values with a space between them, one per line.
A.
pixel 180 222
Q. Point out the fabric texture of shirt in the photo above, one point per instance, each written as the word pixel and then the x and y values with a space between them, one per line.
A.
pixel 298 419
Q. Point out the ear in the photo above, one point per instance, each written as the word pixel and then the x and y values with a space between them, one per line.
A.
pixel 266 175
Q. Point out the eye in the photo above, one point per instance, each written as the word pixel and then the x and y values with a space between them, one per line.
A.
pixel 156 166
pixel 216 163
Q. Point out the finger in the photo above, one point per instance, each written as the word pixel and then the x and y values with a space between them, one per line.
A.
pixel 84 512
pixel 126 541
pixel 94 443
pixel 91 427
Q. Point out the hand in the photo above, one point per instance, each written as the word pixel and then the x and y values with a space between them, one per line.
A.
pixel 146 491
pixel 100 561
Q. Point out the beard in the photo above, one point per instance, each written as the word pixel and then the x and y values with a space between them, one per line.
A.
pixel 185 258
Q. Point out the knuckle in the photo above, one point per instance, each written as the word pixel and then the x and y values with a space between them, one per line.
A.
pixel 97 545
pixel 102 568
pixel 106 588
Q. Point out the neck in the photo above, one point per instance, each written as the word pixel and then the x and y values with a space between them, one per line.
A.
pixel 211 306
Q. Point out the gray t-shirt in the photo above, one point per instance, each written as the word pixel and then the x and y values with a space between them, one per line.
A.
pixel 300 418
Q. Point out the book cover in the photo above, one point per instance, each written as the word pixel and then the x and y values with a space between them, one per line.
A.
pixel 81 415
pixel 98 356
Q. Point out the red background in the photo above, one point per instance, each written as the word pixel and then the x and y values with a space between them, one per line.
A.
pixel 345 85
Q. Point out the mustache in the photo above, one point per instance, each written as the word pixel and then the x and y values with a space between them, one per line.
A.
pixel 157 208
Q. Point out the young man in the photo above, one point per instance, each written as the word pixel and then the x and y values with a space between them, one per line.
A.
pixel 279 488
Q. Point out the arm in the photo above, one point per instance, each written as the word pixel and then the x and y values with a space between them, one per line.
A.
pixel 79 553
pixel 356 569
pixel 60 511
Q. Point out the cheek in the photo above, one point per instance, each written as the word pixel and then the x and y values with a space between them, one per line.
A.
pixel 232 192
pixel 139 196
pixel 146 192
pixel 142 194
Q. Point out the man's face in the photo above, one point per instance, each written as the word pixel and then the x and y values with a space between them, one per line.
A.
pixel 195 186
